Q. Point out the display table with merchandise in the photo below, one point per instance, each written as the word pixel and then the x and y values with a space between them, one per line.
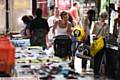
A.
pixel 35 62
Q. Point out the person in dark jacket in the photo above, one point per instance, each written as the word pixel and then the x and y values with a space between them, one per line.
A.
pixel 91 16
pixel 39 29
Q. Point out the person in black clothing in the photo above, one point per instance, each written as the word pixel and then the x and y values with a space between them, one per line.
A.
pixel 91 16
pixel 39 29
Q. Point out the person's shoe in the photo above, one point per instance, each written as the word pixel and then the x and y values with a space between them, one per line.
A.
pixel 96 76
pixel 82 74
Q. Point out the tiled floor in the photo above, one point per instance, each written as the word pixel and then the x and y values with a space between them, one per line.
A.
pixel 89 75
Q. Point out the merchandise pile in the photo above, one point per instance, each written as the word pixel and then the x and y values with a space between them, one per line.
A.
pixel 34 61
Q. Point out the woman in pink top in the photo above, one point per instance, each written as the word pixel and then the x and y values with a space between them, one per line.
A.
pixel 74 12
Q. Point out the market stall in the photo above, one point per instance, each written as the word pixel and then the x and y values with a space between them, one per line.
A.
pixel 33 61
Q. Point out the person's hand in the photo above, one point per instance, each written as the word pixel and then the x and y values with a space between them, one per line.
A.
pixel 86 37
pixel 49 45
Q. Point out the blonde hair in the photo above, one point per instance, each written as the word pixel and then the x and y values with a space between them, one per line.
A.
pixel 104 15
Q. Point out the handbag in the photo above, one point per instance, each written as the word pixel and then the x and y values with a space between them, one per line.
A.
pixel 97 44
